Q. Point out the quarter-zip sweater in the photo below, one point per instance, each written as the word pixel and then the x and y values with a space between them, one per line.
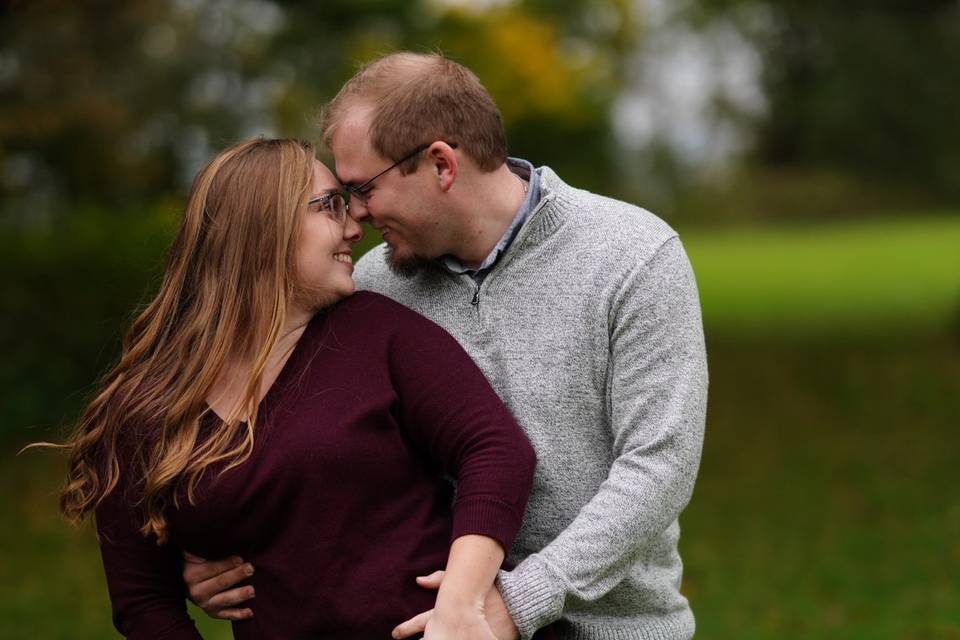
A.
pixel 344 500
pixel 589 328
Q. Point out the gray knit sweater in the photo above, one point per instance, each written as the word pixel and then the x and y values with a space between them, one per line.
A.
pixel 589 328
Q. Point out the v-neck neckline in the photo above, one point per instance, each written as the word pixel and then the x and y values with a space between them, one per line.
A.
pixel 281 381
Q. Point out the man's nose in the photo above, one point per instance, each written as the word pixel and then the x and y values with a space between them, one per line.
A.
pixel 358 209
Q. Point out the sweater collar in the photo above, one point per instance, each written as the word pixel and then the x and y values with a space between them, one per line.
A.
pixel 525 171
pixel 557 199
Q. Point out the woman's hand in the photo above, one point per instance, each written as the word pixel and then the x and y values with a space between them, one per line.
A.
pixel 495 614
pixel 456 622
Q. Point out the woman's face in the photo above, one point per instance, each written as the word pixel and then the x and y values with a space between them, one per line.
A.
pixel 324 262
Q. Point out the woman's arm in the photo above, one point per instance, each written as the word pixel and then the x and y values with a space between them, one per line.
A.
pixel 471 569
pixel 146 590
pixel 449 409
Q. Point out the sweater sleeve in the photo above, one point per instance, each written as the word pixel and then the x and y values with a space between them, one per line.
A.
pixel 147 592
pixel 450 411
pixel 657 395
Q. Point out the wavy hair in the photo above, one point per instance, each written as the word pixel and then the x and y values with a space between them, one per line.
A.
pixel 230 274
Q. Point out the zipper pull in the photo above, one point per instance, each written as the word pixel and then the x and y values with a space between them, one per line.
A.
pixel 476 297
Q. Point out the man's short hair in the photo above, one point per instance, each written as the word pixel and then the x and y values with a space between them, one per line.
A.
pixel 417 99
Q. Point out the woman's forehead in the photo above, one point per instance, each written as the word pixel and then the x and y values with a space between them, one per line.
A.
pixel 323 177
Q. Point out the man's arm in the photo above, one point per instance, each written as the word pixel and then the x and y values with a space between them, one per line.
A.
pixel 658 406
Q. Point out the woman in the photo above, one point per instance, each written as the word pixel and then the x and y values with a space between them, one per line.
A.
pixel 261 410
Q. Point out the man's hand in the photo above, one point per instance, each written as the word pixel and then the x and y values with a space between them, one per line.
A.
pixel 494 612
pixel 208 583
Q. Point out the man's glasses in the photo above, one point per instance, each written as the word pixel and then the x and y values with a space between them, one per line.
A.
pixel 362 191
pixel 333 204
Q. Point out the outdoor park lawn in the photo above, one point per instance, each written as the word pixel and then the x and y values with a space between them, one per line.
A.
pixel 845 279
pixel 826 505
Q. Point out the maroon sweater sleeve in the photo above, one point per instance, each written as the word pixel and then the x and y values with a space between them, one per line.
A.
pixel 146 589
pixel 448 408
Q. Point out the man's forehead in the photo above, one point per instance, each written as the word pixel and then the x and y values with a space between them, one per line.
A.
pixel 353 153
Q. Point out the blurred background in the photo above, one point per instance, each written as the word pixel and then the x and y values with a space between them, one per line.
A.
pixel 808 153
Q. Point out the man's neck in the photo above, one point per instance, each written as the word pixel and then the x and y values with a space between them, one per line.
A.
pixel 498 196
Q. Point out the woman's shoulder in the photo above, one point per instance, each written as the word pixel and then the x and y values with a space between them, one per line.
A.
pixel 375 312
pixel 367 300
pixel 371 318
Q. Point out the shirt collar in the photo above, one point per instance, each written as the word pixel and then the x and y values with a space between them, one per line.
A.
pixel 525 171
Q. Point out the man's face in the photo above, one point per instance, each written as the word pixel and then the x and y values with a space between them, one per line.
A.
pixel 401 207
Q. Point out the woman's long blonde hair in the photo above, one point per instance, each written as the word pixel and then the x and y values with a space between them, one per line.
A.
pixel 229 277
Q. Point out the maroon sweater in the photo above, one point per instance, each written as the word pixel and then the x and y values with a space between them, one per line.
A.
pixel 344 500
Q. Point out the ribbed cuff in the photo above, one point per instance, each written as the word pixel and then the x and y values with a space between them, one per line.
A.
pixel 486 517
pixel 675 626
pixel 533 594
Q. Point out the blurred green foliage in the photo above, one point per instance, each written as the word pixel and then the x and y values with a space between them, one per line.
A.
pixel 120 105
pixel 867 89
pixel 65 298
pixel 823 508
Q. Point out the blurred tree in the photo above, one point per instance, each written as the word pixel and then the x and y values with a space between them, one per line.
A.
pixel 868 88
pixel 107 110
pixel 553 68
pixel 112 103
pixel 120 103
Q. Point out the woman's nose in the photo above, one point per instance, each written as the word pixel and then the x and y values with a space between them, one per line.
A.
pixel 352 230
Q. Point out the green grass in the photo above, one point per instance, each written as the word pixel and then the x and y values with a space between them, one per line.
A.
pixel 826 505
pixel 880 277
pixel 51 579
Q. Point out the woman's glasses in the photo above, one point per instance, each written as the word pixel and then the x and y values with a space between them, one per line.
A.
pixel 333 204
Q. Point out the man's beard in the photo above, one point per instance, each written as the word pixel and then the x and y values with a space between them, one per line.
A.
pixel 406 266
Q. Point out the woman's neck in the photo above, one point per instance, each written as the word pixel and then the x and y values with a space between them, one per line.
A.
pixel 229 391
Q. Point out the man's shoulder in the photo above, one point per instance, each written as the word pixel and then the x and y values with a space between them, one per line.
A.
pixel 372 273
pixel 608 224
pixel 371 268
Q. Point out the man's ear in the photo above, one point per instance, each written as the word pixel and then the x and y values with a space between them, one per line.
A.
pixel 443 163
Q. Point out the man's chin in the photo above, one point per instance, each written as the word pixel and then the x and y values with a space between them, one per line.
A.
pixel 406 266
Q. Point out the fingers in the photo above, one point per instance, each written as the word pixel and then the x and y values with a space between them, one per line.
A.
pixel 431 581
pixel 231 598
pixel 196 569
pixel 232 614
pixel 416 624
pixel 202 592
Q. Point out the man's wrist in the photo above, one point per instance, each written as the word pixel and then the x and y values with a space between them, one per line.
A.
pixel 533 595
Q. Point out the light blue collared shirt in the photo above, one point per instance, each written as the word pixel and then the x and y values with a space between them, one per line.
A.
pixel 525 171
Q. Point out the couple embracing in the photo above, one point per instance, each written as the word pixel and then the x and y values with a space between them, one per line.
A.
pixel 279 437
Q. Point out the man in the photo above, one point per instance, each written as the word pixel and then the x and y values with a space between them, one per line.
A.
pixel 582 312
